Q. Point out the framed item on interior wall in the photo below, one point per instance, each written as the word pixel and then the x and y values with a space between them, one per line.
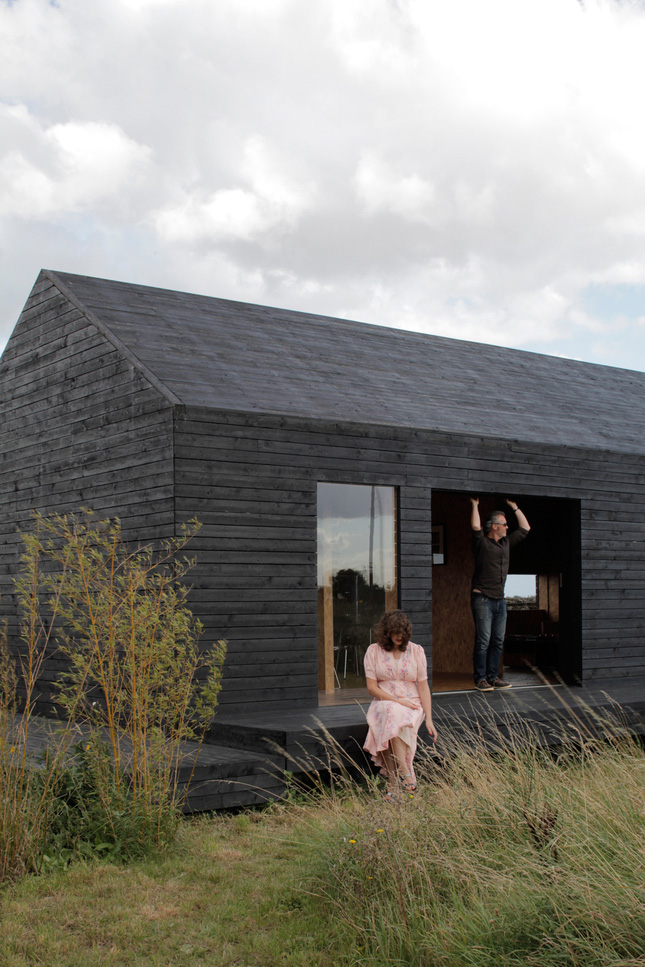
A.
pixel 438 550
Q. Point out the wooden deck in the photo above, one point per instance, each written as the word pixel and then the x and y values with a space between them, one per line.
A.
pixel 244 759
pixel 553 713
pixel 221 778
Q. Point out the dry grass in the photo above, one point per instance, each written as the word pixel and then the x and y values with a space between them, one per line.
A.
pixel 508 855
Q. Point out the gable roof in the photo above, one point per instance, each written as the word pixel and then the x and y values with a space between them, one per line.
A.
pixel 228 355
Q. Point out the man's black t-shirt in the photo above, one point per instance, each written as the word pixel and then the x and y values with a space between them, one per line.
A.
pixel 492 561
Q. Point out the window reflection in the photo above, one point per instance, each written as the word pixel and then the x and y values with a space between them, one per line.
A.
pixel 357 578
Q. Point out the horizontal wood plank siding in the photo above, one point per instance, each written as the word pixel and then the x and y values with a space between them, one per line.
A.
pixel 252 481
pixel 79 427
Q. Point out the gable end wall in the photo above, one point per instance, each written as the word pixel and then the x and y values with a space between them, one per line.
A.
pixel 79 427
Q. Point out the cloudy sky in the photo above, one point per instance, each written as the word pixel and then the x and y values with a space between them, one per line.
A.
pixel 472 168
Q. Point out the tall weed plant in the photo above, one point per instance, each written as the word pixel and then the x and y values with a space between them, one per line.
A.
pixel 25 796
pixel 137 688
pixel 509 854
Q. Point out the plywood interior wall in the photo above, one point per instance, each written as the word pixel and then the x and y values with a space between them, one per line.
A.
pixel 452 623
pixel 548 591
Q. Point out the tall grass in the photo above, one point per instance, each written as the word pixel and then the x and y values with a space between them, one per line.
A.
pixel 509 853
pixel 136 689
pixel 25 804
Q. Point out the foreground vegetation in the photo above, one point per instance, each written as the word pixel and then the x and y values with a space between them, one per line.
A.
pixel 231 891
pixel 512 859
pixel 504 857
pixel 106 634
pixel 508 855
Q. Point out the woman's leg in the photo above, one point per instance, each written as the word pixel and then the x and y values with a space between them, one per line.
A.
pixel 390 764
pixel 399 753
pixel 395 761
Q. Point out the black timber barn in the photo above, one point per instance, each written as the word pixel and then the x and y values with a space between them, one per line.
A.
pixel 330 463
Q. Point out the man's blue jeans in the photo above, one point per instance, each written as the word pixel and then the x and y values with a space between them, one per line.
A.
pixel 490 628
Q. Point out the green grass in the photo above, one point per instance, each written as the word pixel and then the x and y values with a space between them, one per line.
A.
pixel 508 858
pixel 233 891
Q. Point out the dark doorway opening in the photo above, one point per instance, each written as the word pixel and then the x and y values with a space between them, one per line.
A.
pixel 544 606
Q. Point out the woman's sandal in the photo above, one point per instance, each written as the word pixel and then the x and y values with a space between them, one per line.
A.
pixel 390 797
pixel 408 784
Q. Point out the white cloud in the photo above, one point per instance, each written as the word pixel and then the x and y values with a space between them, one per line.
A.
pixel 409 196
pixel 232 213
pixel 65 168
pixel 269 202
pixel 465 168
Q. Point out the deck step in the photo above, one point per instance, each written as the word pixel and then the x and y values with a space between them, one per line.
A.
pixel 245 756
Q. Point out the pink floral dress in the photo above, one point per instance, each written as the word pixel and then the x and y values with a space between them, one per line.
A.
pixel 389 719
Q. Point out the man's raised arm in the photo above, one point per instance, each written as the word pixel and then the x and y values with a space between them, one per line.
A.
pixel 475 519
pixel 521 519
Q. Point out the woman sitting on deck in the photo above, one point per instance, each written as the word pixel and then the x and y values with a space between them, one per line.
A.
pixel 397 679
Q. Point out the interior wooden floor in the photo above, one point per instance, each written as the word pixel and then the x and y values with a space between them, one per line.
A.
pixel 442 682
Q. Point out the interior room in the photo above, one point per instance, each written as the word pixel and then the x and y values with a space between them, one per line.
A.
pixel 542 592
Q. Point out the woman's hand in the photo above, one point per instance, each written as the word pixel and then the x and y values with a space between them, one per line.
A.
pixel 431 729
pixel 408 702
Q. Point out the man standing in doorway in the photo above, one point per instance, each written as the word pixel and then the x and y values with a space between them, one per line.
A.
pixel 491 547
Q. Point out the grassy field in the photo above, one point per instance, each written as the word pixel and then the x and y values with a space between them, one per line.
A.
pixel 514 858
pixel 233 891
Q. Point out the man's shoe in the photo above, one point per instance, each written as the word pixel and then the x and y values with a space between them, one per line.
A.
pixel 483 686
pixel 500 683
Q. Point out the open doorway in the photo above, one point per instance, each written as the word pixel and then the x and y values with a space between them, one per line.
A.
pixel 543 592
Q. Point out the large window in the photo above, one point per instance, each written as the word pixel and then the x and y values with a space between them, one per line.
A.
pixel 357 578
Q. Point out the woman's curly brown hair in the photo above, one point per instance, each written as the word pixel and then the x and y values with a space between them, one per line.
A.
pixel 397 623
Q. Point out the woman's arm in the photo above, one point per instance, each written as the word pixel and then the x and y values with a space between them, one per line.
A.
pixel 426 705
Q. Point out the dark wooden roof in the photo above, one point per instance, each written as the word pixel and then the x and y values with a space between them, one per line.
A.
pixel 233 356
